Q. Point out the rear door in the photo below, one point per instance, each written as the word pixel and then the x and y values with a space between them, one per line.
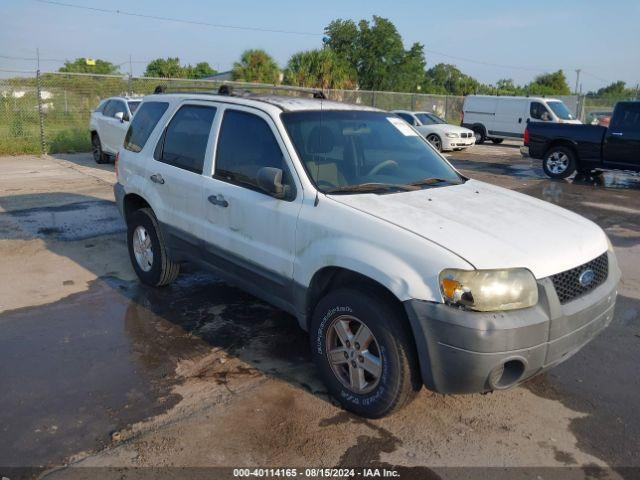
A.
pixel 175 173
pixel 622 141
pixel 248 232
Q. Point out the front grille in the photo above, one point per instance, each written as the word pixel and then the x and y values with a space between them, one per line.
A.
pixel 465 135
pixel 567 283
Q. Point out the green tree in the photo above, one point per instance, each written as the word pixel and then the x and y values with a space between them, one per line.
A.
pixel 505 86
pixel 256 66
pixel 200 70
pixel 615 89
pixel 448 79
pixel 171 68
pixel 549 84
pixel 376 52
pixel 319 69
pixel 79 65
pixel 165 68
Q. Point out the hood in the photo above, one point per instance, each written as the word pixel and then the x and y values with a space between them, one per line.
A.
pixel 442 128
pixel 489 226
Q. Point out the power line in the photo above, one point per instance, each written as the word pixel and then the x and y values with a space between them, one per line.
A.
pixel 177 20
pixel 32 59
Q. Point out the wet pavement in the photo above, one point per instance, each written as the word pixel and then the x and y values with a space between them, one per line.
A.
pixel 77 371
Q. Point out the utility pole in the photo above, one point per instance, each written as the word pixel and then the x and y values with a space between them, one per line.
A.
pixel 578 70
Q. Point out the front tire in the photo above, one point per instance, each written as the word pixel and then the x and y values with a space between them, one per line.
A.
pixel 147 250
pixel 363 352
pixel 559 162
pixel 435 140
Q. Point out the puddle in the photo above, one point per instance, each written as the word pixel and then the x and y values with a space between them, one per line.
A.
pixel 72 221
pixel 88 365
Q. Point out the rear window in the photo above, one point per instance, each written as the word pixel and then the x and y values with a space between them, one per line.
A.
pixel 143 124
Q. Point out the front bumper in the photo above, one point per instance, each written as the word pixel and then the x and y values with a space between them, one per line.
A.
pixel 451 143
pixel 467 352
pixel 118 193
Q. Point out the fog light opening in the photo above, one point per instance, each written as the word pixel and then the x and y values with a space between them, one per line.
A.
pixel 506 375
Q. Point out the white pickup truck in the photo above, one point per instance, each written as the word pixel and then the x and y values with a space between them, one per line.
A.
pixel 108 125
pixel 404 272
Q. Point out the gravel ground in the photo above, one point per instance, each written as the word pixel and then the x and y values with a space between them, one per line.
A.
pixel 99 371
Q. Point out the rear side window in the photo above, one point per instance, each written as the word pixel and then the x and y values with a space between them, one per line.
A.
pixel 406 117
pixel 185 139
pixel 109 108
pixel 245 145
pixel 143 124
pixel 627 118
pixel 133 106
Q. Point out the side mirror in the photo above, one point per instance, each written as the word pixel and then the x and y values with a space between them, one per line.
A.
pixel 119 116
pixel 270 180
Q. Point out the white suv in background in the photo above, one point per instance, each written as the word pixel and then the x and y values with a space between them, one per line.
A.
pixel 108 124
pixel 403 271
pixel 442 135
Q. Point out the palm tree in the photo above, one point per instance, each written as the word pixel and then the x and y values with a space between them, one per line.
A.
pixel 256 66
pixel 319 69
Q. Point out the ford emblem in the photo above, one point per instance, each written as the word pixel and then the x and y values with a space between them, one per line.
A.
pixel 586 278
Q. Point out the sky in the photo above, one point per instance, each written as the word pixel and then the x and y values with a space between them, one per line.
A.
pixel 488 40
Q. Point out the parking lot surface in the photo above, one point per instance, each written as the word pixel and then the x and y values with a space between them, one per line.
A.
pixel 98 370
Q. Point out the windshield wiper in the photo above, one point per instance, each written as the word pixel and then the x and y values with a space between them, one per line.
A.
pixel 371 187
pixel 428 181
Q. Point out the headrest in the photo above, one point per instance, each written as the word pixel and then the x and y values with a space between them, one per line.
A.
pixel 321 140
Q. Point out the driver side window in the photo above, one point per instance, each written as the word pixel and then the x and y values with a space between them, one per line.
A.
pixel 245 145
pixel 539 112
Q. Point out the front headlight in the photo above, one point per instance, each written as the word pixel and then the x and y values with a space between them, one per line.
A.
pixel 452 135
pixel 489 290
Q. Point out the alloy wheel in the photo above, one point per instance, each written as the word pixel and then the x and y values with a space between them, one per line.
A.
pixel 435 141
pixel 142 248
pixel 557 162
pixel 354 354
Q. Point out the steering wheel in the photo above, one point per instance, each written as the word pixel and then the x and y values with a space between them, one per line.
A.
pixel 381 165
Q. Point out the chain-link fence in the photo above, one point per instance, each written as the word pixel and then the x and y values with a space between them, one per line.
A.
pixel 49 112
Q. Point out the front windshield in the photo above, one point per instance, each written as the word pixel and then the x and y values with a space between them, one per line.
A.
pixel 429 119
pixel 560 109
pixel 344 150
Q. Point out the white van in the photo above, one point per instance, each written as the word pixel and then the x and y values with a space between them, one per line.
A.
pixel 496 118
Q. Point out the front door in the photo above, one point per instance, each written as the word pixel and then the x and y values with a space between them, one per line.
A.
pixel 622 140
pixel 248 232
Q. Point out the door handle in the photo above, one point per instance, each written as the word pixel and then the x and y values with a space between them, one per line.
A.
pixel 520 120
pixel 617 134
pixel 157 178
pixel 218 200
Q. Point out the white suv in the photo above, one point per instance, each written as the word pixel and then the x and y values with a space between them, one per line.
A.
pixel 403 271
pixel 108 125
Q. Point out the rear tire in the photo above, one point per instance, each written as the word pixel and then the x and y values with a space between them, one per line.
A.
pixel 559 162
pixel 96 148
pixel 350 373
pixel 479 134
pixel 147 250
pixel 497 141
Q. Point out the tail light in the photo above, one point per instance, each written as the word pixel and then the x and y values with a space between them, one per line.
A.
pixel 115 164
pixel 526 136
